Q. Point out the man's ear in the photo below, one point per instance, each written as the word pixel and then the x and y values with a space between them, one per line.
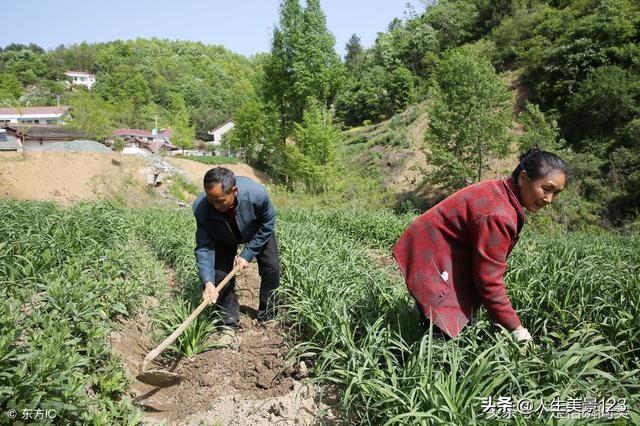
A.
pixel 234 190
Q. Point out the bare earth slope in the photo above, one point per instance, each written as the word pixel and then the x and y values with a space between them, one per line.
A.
pixel 70 177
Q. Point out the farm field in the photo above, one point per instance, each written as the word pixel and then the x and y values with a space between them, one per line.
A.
pixel 77 281
pixel 71 277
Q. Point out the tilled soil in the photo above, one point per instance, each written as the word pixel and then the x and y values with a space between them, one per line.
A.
pixel 252 386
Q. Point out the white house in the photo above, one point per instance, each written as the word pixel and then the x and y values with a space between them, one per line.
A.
pixel 219 132
pixel 136 139
pixel 81 78
pixel 34 115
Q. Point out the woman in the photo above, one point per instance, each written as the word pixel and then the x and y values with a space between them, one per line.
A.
pixel 454 256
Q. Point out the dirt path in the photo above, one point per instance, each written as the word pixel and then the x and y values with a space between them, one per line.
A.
pixel 250 387
pixel 196 170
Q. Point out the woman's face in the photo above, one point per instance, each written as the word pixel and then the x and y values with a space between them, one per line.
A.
pixel 538 193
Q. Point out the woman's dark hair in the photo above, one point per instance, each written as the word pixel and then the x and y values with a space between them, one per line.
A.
pixel 538 163
pixel 221 175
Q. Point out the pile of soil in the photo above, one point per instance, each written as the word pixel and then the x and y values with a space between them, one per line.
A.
pixel 67 178
pixel 253 386
pixel 70 177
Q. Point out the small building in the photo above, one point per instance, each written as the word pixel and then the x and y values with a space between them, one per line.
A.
pixel 38 137
pixel 81 78
pixel 9 142
pixel 136 138
pixel 34 115
pixel 220 131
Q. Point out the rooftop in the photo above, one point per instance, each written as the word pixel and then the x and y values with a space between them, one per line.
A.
pixel 34 110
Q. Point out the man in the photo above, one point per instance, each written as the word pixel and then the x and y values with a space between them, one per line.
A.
pixel 232 211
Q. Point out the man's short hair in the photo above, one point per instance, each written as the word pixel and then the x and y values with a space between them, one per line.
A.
pixel 225 177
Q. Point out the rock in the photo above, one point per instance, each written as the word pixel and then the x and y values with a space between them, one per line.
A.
pixel 302 370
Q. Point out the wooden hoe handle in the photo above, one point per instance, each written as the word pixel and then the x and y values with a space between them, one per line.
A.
pixel 169 340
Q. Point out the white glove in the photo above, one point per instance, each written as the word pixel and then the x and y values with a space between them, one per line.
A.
pixel 521 334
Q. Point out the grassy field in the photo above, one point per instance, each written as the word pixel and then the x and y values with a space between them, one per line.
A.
pixel 66 275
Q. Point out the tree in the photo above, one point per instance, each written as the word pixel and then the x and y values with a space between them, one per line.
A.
pixel 303 64
pixel 455 21
pixel 470 115
pixel 248 135
pixel 91 115
pixel 279 68
pixel 206 119
pixel 607 100
pixel 118 146
pixel 538 130
pixel 10 89
pixel 313 154
pixel 355 52
pixel 183 133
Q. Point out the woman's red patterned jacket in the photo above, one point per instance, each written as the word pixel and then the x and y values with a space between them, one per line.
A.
pixel 454 256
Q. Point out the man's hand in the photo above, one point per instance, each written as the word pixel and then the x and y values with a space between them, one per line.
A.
pixel 521 334
pixel 241 262
pixel 210 292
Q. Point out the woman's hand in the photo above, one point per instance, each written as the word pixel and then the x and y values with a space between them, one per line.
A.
pixel 521 334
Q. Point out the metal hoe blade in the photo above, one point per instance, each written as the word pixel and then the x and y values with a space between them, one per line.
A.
pixel 159 378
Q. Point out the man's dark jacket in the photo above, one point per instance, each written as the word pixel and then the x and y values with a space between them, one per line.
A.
pixel 255 217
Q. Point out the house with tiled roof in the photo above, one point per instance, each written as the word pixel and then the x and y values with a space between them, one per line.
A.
pixel 34 115
pixel 136 138
pixel 36 137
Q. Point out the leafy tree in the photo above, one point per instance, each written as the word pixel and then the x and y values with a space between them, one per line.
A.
pixel 10 89
pixel 248 135
pixel 91 115
pixel 355 52
pixel 303 63
pixel 607 100
pixel 26 65
pixel 183 133
pixel 118 146
pixel 455 22
pixel 470 115
pixel 206 119
pixel 538 130
pixel 376 94
pixel 313 154
pixel 279 68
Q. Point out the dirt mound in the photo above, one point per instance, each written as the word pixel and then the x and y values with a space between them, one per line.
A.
pixel 70 177
pixel 250 387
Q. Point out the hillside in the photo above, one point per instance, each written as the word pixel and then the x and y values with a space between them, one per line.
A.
pixel 395 151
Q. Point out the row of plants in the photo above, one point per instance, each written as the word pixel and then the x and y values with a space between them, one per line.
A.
pixel 576 294
pixel 171 235
pixel 65 276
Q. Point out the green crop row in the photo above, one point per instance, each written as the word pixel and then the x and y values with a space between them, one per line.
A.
pixel 171 235
pixel 64 275
pixel 375 229
pixel 577 295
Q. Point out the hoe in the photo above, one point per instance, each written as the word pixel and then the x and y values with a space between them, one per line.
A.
pixel 161 378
